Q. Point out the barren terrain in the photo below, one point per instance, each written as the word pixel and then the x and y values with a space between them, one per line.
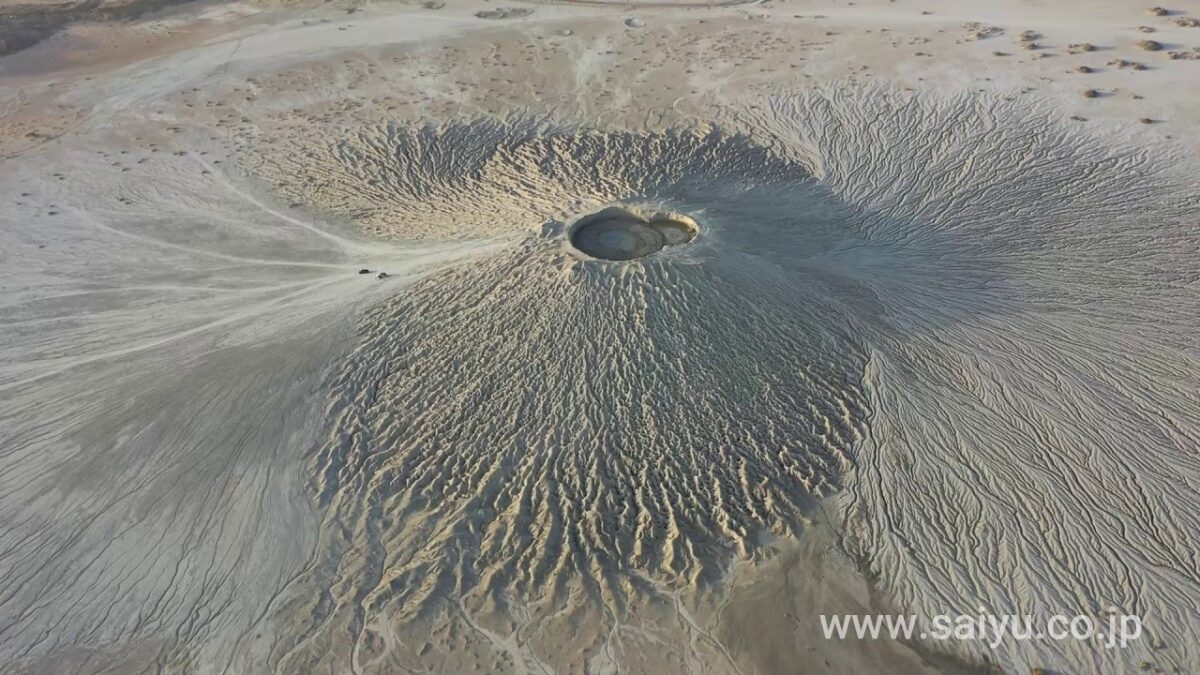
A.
pixel 309 364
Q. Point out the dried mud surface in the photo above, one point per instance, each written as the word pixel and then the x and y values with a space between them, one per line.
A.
pixel 301 373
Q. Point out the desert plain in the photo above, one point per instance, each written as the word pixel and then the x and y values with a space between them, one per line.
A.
pixel 481 336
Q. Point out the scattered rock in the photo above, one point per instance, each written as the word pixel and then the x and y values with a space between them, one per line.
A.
pixel 1084 69
pixel 1157 11
pixel 1146 29
pixel 978 31
pixel 1028 36
pixel 504 13
pixel 1145 120
pixel 1150 45
pixel 1091 93
pixel 1122 63
pixel 364 271
pixel 382 275
pixel 1081 47
pixel 1187 22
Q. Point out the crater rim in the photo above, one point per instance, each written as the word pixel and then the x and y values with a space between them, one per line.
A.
pixel 620 233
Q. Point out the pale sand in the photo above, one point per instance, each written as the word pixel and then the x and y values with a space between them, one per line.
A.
pixel 937 293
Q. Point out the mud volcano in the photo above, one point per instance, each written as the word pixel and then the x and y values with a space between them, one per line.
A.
pixel 901 308
pixel 620 233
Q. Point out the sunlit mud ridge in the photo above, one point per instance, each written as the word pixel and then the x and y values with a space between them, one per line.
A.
pixel 491 177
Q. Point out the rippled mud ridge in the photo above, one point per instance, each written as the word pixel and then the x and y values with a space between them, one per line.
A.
pixel 961 328
pixel 541 425
pixel 534 426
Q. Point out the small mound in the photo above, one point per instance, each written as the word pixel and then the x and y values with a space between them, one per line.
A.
pixel 502 13
pixel 618 233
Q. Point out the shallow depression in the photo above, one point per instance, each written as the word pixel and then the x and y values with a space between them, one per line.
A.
pixel 621 233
